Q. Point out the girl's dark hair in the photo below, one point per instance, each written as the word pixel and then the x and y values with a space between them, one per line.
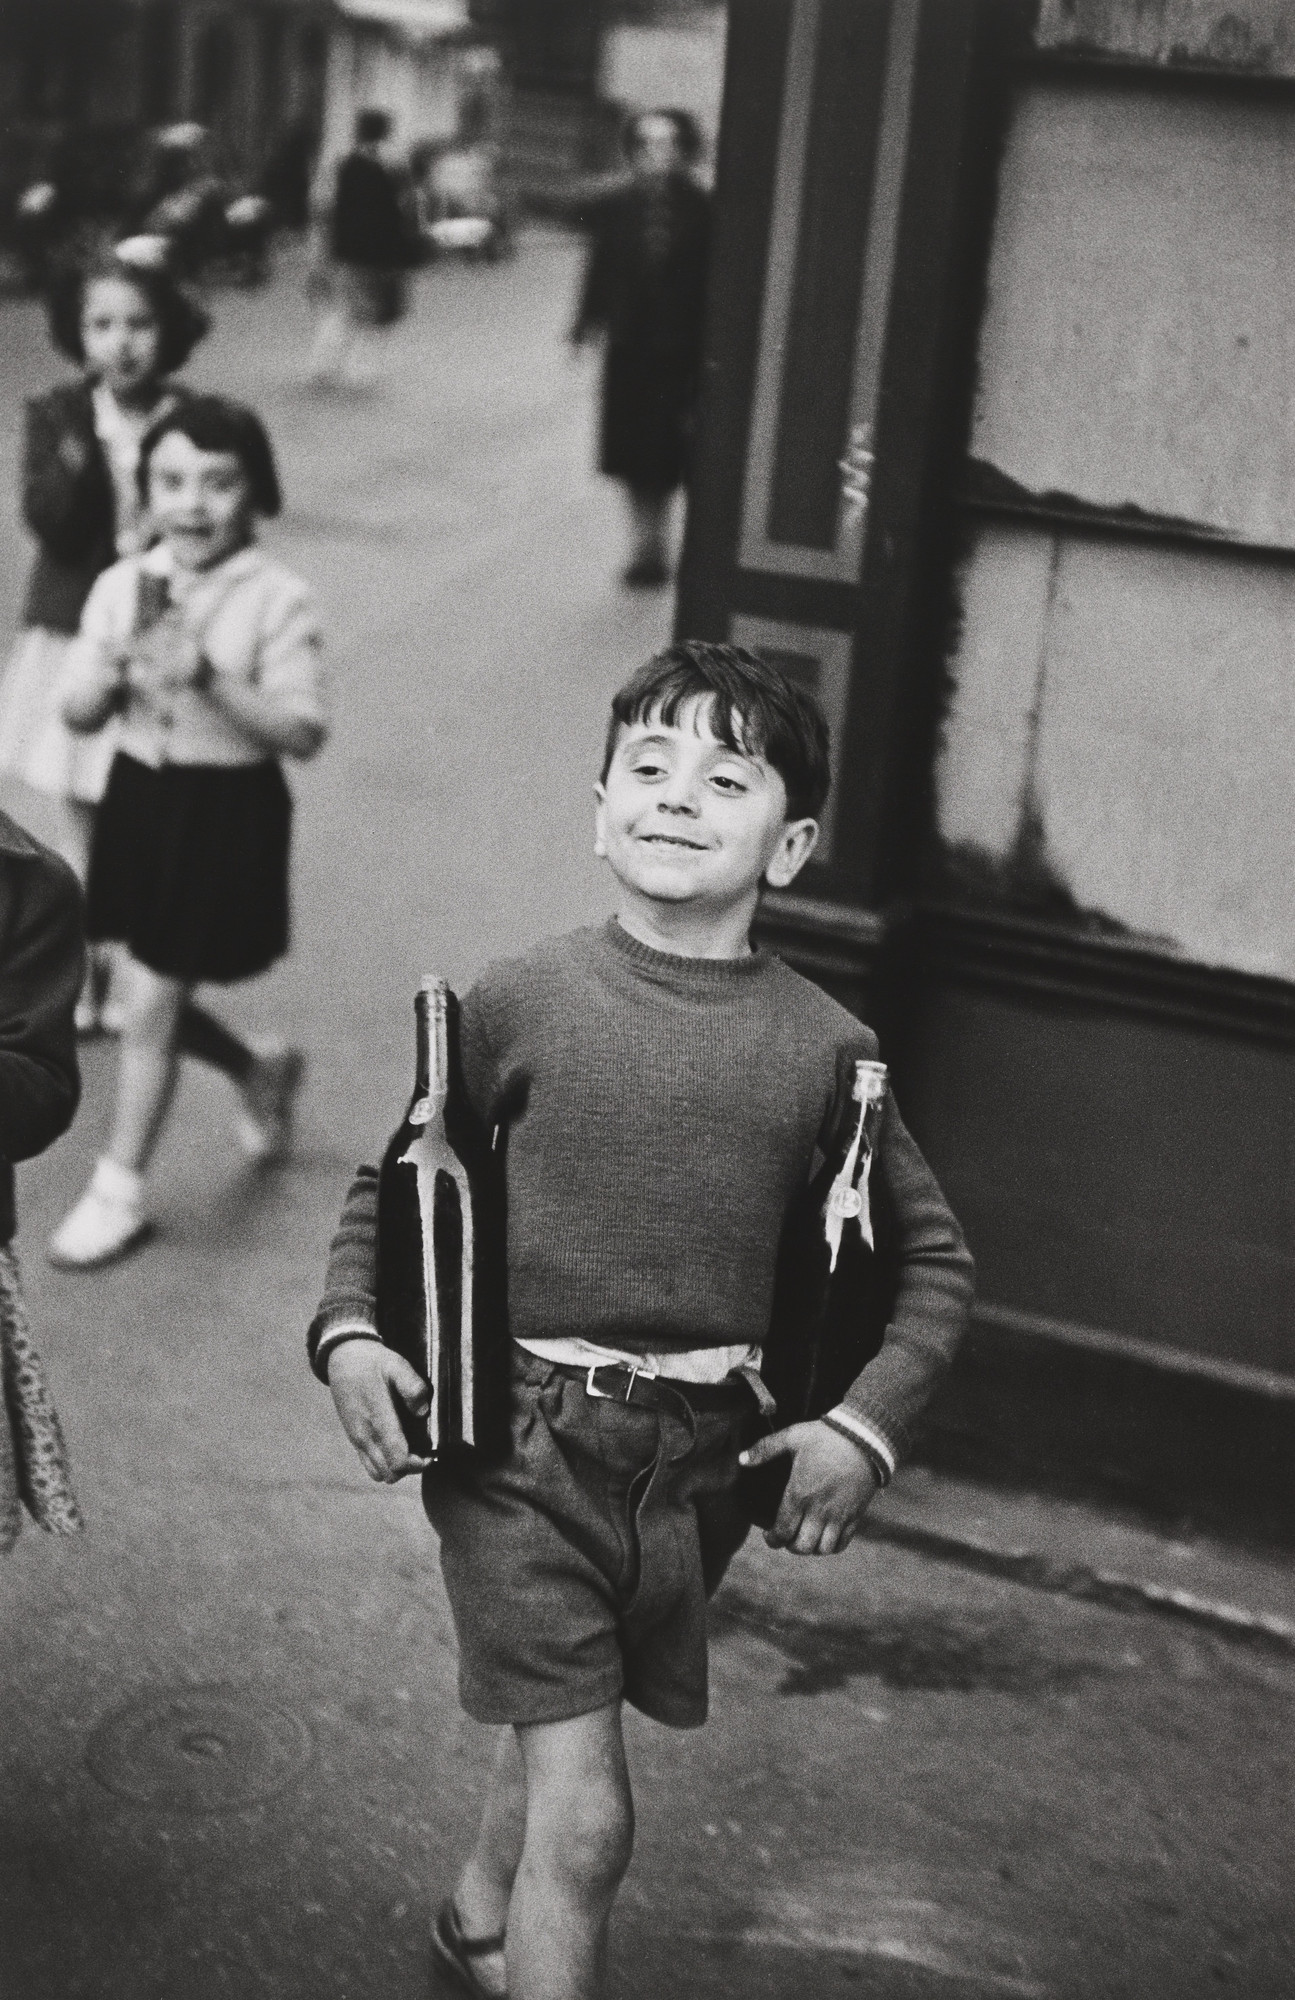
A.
pixel 687 132
pixel 182 322
pixel 755 709
pixel 214 423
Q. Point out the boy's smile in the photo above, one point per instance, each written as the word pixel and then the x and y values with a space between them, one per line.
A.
pixel 691 827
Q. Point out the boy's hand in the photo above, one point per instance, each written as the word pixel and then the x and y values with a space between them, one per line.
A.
pixel 365 1378
pixel 828 1491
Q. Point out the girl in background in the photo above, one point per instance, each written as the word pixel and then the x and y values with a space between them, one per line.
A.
pixel 128 326
pixel 208 650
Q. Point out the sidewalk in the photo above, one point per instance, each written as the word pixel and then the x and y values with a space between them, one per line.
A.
pixel 1076 1551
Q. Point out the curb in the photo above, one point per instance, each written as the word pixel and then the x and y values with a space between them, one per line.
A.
pixel 1033 1571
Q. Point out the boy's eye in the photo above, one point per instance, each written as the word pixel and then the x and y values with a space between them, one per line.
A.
pixel 727 781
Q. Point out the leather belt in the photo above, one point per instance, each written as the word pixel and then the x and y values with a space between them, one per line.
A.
pixel 613 1382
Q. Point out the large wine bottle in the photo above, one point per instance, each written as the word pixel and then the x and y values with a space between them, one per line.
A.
pixel 836 1279
pixel 441 1262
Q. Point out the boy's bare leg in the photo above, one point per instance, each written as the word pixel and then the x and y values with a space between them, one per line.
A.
pixel 485 1887
pixel 579 1834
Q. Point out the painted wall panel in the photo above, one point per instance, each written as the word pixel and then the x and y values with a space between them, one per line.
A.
pixel 1166 747
pixel 1139 342
pixel 1146 705
pixel 985 749
pixel 1254 35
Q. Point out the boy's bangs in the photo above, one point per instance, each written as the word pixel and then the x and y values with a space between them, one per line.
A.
pixel 751 708
pixel 728 721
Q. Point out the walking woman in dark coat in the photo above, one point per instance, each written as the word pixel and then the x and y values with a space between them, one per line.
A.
pixel 645 293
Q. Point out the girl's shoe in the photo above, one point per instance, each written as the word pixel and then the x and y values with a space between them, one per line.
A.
pixel 108 1220
pixel 452 1955
pixel 269 1099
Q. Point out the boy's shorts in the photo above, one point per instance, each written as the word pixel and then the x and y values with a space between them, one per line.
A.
pixel 578 1570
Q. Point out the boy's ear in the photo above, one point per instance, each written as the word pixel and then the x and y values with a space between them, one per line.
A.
pixel 600 831
pixel 796 843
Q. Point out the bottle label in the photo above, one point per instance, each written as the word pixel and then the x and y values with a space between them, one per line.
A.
pixel 421 1112
pixel 847 1199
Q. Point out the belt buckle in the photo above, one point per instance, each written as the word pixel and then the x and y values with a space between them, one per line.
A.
pixel 605 1395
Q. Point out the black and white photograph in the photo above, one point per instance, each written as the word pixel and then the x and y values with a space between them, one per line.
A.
pixel 647 999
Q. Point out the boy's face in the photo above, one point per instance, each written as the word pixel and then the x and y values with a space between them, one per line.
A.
pixel 682 819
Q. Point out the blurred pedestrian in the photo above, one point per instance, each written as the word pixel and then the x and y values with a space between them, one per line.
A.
pixel 285 178
pixel 126 323
pixel 644 291
pixel 372 241
pixel 210 651
pixel 41 955
pixel 187 206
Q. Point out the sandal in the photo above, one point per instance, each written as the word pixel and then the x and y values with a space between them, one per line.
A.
pixel 452 1953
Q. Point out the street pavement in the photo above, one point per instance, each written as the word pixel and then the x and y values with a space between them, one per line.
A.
pixel 232 1762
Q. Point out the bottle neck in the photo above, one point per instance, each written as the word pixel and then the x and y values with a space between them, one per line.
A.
pixel 431 1009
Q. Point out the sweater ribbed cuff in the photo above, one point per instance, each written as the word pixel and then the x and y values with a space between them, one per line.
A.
pixel 344 1319
pixel 874 1443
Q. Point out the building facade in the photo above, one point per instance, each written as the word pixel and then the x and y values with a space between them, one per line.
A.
pixel 1039 261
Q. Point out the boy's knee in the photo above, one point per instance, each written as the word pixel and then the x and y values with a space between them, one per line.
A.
pixel 588 1832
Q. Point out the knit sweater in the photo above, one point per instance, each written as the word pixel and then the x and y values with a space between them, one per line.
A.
pixel 661 1114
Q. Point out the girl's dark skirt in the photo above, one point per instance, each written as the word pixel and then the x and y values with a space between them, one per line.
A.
pixel 189 867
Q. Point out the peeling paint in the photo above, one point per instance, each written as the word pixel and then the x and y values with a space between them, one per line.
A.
pixel 1246 37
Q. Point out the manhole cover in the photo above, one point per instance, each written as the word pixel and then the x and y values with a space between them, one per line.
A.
pixel 197 1749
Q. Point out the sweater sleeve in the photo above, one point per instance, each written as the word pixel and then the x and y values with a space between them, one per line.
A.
pixel 936 1286
pixel 349 1306
pixel 90 685
pixel 62 501
pixel 291 669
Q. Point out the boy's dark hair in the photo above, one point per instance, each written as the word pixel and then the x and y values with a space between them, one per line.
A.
pixel 215 423
pixel 181 321
pixel 755 709
pixel 372 127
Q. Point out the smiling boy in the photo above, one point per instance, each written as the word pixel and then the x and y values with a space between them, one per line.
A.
pixel 663 1086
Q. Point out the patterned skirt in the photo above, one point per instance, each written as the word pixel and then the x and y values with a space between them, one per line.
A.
pixel 33 1461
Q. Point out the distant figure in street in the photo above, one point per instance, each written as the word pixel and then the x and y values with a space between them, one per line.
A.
pixel 371 244
pixel 659 1089
pixel 127 324
pixel 645 292
pixel 285 178
pixel 41 957
pixel 209 652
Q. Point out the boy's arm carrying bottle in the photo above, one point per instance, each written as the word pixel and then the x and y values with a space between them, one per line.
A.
pixel 874 1291
pixel 412 1323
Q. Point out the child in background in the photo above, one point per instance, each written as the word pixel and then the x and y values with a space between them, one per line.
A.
pixel 209 652
pixel 128 326
pixel 663 1087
